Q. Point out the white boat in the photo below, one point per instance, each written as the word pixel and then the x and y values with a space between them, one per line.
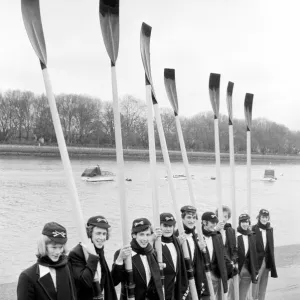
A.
pixel 179 177
pixel 98 178
pixel 95 174
pixel 269 175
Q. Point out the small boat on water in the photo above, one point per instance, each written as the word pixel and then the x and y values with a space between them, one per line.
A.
pixel 179 177
pixel 95 174
pixel 269 175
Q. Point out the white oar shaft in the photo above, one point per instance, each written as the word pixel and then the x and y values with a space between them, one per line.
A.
pixel 75 204
pixel 249 204
pixel 76 209
pixel 167 162
pixel 187 173
pixel 185 160
pixel 120 163
pixel 153 173
pixel 232 177
pixel 218 169
pixel 232 193
pixel 120 159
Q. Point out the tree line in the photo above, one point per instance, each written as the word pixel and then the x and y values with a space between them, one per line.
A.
pixel 25 118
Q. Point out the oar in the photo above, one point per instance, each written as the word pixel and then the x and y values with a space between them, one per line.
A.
pixel 145 53
pixel 170 85
pixel 109 21
pixel 232 173
pixel 214 94
pixel 153 176
pixel 248 117
pixel 33 25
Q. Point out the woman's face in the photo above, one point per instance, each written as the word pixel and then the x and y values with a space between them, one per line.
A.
pixel 189 220
pixel 225 216
pixel 264 220
pixel 143 237
pixel 167 230
pixel 209 226
pixel 54 251
pixel 99 236
pixel 245 224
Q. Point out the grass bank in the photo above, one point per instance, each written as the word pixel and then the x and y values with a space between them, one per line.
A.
pixel 135 154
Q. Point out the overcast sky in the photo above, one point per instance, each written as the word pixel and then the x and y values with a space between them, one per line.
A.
pixel 253 43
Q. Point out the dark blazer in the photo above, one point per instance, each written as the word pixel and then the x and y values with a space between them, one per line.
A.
pixel 230 244
pixel 198 264
pixel 176 282
pixel 220 256
pixel 84 271
pixel 32 287
pixel 251 256
pixel 261 252
pixel 154 289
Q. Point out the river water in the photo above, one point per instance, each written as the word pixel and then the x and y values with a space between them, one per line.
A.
pixel 33 191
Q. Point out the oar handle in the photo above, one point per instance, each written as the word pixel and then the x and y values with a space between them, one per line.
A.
pixel 130 286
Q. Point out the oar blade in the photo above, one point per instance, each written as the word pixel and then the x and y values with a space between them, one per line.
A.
pixel 109 22
pixel 214 92
pixel 145 54
pixel 145 49
pixel 33 25
pixel 248 110
pixel 170 85
pixel 229 101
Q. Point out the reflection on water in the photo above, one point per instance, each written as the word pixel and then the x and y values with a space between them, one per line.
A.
pixel 33 191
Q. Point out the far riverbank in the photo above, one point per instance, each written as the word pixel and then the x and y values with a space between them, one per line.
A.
pixel 136 154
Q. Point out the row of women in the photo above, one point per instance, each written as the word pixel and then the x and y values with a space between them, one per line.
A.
pixel 248 254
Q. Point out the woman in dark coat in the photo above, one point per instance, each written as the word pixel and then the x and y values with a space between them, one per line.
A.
pixel 176 283
pixel 146 272
pixel 189 217
pixel 49 278
pixel 265 254
pixel 247 257
pixel 84 270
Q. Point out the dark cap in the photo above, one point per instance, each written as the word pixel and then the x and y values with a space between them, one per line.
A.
pixel 98 221
pixel 55 232
pixel 210 216
pixel 264 212
pixel 140 224
pixel 188 209
pixel 244 217
pixel 167 219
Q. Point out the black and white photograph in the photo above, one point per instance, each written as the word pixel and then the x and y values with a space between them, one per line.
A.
pixel 149 150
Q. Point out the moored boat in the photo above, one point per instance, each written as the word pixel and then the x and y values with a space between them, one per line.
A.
pixel 95 174
pixel 179 177
pixel 269 175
